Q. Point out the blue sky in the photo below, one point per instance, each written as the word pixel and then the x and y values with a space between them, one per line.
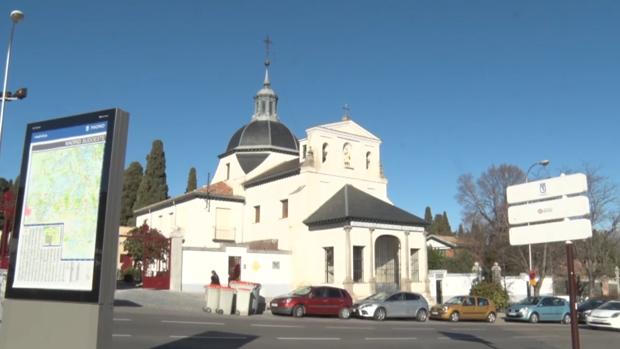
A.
pixel 451 87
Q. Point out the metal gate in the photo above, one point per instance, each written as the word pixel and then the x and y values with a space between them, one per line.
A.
pixel 387 263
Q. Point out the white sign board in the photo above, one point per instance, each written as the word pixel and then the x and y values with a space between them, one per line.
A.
pixel 550 232
pixel 547 189
pixel 549 210
pixel 546 201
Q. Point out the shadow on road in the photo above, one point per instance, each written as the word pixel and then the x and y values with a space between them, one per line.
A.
pixel 125 303
pixel 457 336
pixel 210 339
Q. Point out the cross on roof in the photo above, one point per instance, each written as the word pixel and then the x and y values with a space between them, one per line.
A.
pixel 268 43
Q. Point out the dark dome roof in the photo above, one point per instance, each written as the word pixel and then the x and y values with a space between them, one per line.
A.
pixel 263 134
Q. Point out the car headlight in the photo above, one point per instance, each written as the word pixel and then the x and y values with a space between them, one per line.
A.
pixel 523 310
pixel 444 309
pixel 614 315
pixel 587 312
pixel 364 306
pixel 288 300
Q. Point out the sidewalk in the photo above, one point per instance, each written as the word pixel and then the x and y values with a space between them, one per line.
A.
pixel 159 299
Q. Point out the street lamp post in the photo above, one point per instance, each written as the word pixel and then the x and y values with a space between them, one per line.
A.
pixel 16 16
pixel 543 163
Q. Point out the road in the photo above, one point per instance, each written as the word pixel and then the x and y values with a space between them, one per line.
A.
pixel 137 328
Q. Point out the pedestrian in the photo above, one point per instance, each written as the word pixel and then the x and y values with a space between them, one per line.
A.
pixel 215 280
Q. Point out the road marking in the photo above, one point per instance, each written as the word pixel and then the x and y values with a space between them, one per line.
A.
pixel 413 328
pixel 192 322
pixel 208 337
pixel 122 319
pixel 349 328
pixel 276 326
pixel 308 338
pixel 466 329
pixel 120 335
pixel 390 338
pixel 533 337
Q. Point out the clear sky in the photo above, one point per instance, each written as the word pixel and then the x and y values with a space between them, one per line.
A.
pixel 451 87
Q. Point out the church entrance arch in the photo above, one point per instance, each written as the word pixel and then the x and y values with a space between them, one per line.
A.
pixel 387 263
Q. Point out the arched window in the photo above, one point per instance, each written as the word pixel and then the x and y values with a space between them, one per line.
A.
pixel 324 157
pixel 262 107
pixel 270 108
pixel 367 160
pixel 346 154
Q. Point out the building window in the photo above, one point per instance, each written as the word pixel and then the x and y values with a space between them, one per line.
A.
pixel 228 171
pixel 329 265
pixel 367 160
pixel 284 208
pixel 358 263
pixel 275 265
pixel 304 151
pixel 346 154
pixel 223 224
pixel 324 158
pixel 414 257
pixel 262 107
pixel 256 214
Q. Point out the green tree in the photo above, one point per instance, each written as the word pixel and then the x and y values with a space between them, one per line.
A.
pixel 461 230
pixel 428 215
pixel 153 187
pixel 436 259
pixel 446 229
pixel 191 180
pixel 131 182
pixel 493 291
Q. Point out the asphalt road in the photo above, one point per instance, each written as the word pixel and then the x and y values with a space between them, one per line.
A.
pixel 137 328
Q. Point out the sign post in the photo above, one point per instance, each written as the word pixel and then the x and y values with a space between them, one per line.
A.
pixel 552 210
pixel 63 249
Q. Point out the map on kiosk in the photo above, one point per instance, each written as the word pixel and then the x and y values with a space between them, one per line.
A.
pixel 58 226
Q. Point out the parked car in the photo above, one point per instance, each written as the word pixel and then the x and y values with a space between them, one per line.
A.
pixel 465 308
pixel 314 300
pixel 383 305
pixel 586 307
pixel 535 309
pixel 605 316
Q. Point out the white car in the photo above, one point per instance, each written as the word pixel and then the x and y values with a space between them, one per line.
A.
pixel 605 316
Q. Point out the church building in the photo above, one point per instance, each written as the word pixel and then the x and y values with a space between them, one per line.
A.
pixel 288 212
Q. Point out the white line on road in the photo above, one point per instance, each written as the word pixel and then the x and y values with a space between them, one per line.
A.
pixel 208 337
pixel 390 338
pixel 349 328
pixel 276 326
pixel 121 319
pixel 192 322
pixel 468 329
pixel 414 328
pixel 533 337
pixel 120 335
pixel 308 338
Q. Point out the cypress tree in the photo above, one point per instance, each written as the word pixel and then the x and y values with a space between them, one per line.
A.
pixel 191 180
pixel 446 228
pixel 153 187
pixel 428 216
pixel 461 229
pixel 131 182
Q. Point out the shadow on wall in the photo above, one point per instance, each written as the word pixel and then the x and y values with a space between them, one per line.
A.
pixel 209 339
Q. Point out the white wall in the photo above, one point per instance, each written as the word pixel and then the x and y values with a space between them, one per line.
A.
pixel 255 267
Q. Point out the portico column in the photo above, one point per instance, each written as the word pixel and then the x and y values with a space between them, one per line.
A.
pixel 405 280
pixel 371 246
pixel 348 280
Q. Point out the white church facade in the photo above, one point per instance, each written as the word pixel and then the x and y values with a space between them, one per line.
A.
pixel 294 212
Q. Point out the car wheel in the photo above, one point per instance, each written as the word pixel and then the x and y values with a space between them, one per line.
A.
pixel 299 311
pixel 491 317
pixel 421 316
pixel 566 319
pixel 380 314
pixel 344 313
pixel 534 318
pixel 455 316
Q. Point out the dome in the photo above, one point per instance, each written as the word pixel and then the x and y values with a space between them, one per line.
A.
pixel 261 134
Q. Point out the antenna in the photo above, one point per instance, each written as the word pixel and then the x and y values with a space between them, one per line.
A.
pixel 268 43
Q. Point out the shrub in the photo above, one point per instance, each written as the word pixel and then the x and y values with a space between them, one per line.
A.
pixel 493 291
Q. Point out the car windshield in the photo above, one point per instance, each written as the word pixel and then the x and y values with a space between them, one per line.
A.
pixel 455 300
pixel 302 291
pixel 591 303
pixel 610 306
pixel 381 296
pixel 530 301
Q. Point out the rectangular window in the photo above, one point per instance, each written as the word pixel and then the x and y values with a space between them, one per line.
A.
pixel 414 258
pixel 358 263
pixel 223 224
pixel 329 265
pixel 275 265
pixel 284 208
pixel 228 171
pixel 256 214
pixel 304 151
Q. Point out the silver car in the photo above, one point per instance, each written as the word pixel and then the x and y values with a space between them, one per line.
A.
pixel 383 305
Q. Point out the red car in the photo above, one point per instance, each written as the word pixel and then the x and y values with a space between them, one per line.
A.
pixel 314 300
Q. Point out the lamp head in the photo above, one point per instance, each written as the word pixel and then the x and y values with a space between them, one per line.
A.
pixel 21 93
pixel 17 16
pixel 544 162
